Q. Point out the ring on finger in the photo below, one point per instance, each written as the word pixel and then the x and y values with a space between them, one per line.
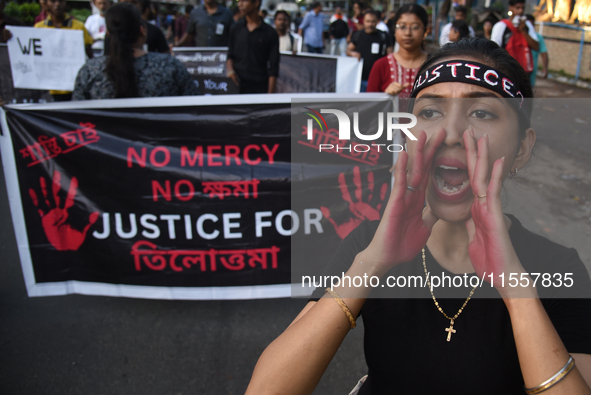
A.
pixel 411 188
pixel 480 196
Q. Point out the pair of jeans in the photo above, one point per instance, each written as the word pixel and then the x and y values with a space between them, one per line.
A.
pixel 312 49
pixel 363 87
pixel 341 44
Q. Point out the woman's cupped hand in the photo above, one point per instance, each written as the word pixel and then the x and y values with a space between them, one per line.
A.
pixel 406 224
pixel 491 251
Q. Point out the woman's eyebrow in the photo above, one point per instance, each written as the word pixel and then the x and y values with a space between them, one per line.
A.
pixel 470 95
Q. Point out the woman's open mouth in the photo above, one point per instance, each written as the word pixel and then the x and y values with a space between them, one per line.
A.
pixel 450 178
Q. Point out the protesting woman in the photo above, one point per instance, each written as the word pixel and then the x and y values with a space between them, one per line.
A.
pixel 395 73
pixel 444 216
pixel 129 71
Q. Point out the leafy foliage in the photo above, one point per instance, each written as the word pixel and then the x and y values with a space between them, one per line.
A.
pixel 81 13
pixel 25 12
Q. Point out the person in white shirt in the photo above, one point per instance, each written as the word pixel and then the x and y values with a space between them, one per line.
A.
pixel 287 40
pixel 460 13
pixel 95 24
pixel 500 34
pixel 381 25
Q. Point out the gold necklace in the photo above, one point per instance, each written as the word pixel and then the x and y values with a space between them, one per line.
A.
pixel 451 329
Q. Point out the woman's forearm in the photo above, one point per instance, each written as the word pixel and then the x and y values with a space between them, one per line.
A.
pixel 541 351
pixel 295 361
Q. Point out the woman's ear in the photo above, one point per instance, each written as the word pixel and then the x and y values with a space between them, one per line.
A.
pixel 525 149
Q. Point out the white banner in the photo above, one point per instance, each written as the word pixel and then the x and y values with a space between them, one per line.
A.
pixel 45 58
pixel 348 74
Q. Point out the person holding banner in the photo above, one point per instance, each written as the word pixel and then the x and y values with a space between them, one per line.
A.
pixel 130 71
pixel 208 26
pixel 58 19
pixel 253 53
pixel 444 218
pixel 369 44
pixel 395 72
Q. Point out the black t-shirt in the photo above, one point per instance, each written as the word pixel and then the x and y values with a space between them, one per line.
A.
pixel 338 29
pixel 371 47
pixel 210 30
pixel 255 54
pixel 405 339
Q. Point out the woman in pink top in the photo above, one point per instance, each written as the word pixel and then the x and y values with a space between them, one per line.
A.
pixel 395 73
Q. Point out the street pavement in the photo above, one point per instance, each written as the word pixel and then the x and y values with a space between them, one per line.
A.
pixel 102 345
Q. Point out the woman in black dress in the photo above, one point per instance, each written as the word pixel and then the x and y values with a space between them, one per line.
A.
pixel 471 103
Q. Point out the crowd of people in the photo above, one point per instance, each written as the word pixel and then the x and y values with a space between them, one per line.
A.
pixel 391 45
pixel 443 215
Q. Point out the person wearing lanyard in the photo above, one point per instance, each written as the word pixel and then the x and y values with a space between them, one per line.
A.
pixel 253 53
pixel 209 26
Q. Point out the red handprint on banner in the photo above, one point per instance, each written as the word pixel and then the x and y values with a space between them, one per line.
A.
pixel 60 234
pixel 360 209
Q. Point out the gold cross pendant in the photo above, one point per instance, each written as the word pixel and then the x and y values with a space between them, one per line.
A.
pixel 450 330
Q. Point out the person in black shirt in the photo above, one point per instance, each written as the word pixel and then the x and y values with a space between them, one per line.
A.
pixel 339 30
pixel 209 26
pixel 253 53
pixel 370 45
pixel 444 216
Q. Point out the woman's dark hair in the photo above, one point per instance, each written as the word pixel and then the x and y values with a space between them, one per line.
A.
pixel 360 4
pixel 461 9
pixel 146 4
pixel 411 8
pixel 123 24
pixel 488 52
pixel 461 27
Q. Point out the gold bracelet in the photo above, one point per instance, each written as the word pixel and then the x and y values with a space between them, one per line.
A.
pixel 343 306
pixel 552 381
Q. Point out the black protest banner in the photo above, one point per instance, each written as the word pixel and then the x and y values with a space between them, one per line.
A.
pixel 301 73
pixel 154 196
pixel 207 66
pixel 180 198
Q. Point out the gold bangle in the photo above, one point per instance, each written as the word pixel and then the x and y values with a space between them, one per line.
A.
pixel 552 381
pixel 343 306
